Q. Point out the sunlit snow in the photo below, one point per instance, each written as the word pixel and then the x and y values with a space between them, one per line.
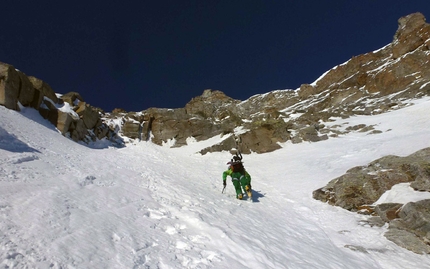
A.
pixel 65 205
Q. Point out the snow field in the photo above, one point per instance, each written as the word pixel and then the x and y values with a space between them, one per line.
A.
pixel 65 205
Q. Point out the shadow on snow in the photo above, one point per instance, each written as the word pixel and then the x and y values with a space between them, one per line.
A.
pixel 256 195
pixel 11 143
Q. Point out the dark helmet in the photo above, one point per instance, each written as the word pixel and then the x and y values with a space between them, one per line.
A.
pixel 236 159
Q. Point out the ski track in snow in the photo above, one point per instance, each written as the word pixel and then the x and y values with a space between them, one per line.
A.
pixel 64 205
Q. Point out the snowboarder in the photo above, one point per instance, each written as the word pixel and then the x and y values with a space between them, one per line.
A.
pixel 239 177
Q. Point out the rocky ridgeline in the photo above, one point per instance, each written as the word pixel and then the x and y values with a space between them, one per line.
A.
pixel 368 84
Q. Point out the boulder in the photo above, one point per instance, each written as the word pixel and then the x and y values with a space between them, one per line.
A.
pixel 101 131
pixel 259 140
pixel 310 133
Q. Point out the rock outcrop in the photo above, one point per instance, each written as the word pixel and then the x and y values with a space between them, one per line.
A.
pixel 361 187
pixel 14 87
pixel 69 113
pixel 364 185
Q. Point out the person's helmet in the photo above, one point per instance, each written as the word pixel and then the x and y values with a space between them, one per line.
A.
pixel 236 159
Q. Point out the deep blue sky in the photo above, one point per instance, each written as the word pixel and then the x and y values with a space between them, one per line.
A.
pixel 140 54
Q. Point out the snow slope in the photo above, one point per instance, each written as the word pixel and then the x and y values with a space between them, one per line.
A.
pixel 65 205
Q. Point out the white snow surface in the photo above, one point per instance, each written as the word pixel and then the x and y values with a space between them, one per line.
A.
pixel 66 205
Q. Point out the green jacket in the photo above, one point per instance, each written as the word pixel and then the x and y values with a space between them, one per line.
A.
pixel 234 175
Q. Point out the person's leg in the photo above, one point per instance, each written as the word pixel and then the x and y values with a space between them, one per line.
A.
pixel 246 185
pixel 236 184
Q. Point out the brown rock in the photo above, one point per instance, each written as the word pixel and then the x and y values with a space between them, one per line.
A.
pixel 78 130
pixel 87 113
pixel 413 31
pixel 132 129
pixel 306 90
pixel 26 91
pixel 412 229
pixel 365 184
pixel 388 211
pixel 9 86
pixel 73 98
pixel 64 121
pixel 44 88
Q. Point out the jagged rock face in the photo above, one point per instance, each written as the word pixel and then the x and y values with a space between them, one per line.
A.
pixel 367 84
pixel 401 67
pixel 213 113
